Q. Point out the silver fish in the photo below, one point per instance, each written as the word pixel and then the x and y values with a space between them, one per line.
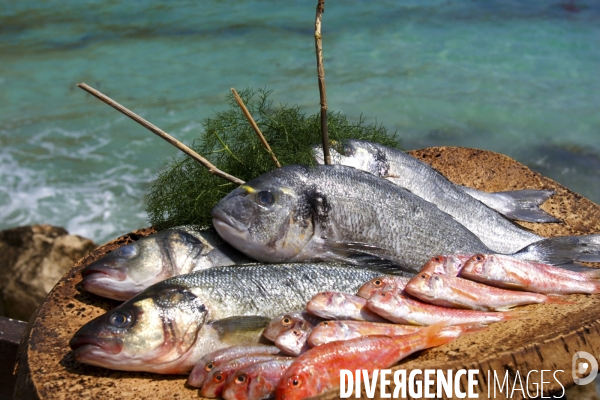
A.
pixel 128 270
pixel 333 212
pixel 168 327
pixel 464 204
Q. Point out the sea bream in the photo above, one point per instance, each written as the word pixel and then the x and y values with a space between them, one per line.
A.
pixel 334 212
pixel 466 205
pixel 126 271
pixel 168 327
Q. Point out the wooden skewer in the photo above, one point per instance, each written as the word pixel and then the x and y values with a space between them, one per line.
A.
pixel 321 77
pixel 159 132
pixel 240 103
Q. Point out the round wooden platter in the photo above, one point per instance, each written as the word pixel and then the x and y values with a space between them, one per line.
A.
pixel 546 339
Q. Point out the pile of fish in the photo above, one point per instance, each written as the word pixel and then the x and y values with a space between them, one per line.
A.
pixel 363 226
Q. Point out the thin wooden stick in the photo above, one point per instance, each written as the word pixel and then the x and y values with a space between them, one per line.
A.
pixel 321 76
pixel 238 100
pixel 159 132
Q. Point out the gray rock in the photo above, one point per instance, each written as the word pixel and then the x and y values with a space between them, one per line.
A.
pixel 32 260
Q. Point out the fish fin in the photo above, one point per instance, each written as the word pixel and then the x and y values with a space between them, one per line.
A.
pixel 362 254
pixel 591 273
pixel 562 250
pixel 521 205
pixel 437 334
pixel 233 325
pixel 517 314
pixel 557 299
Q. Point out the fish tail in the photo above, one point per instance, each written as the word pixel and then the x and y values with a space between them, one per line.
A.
pixel 524 205
pixel 562 250
pixel 437 334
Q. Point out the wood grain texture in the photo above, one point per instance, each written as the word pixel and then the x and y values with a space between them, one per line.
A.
pixel 546 339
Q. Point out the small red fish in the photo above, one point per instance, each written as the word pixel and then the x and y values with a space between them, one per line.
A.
pixel 507 272
pixel 293 342
pixel 447 265
pixel 256 381
pixel 335 305
pixel 219 357
pixel 388 282
pixel 403 310
pixel 287 321
pixel 333 331
pixel 318 369
pixel 217 378
pixel 451 291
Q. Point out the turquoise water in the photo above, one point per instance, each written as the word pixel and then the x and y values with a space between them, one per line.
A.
pixel 520 78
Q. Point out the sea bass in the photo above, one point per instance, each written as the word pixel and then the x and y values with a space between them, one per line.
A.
pixel 498 233
pixel 333 212
pixel 318 369
pixel 168 327
pixel 128 270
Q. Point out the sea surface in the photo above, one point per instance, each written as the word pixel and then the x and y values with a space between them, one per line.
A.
pixel 516 77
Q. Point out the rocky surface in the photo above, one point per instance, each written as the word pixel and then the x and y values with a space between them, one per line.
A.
pixel 32 260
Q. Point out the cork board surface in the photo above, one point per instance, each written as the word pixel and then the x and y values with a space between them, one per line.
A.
pixel 546 339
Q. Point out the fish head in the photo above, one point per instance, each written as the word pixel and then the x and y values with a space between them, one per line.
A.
pixel 128 270
pixel 445 264
pixel 478 265
pixel 238 386
pixel 370 288
pixel 269 218
pixel 215 382
pixel 427 285
pixel 293 341
pixel 282 323
pixel 152 332
pixel 299 382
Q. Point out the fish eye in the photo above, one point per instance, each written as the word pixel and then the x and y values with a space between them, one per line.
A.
pixel 326 323
pixel 128 251
pixel 478 257
pixel 296 382
pixel 423 276
pixel 120 319
pixel 218 378
pixel 265 198
pixel 377 282
pixel 437 259
pixel 240 378
pixel 286 321
pixel 209 366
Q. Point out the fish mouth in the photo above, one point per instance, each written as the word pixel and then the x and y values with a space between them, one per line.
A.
pixel 83 344
pixel 102 271
pixel 221 218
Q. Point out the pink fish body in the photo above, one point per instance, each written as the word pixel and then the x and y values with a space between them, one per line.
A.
pixel 256 381
pixel 335 305
pixel 451 291
pixel 333 331
pixel 386 282
pixel 447 265
pixel 507 272
pixel 403 310
pixel 219 357
pixel 318 369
